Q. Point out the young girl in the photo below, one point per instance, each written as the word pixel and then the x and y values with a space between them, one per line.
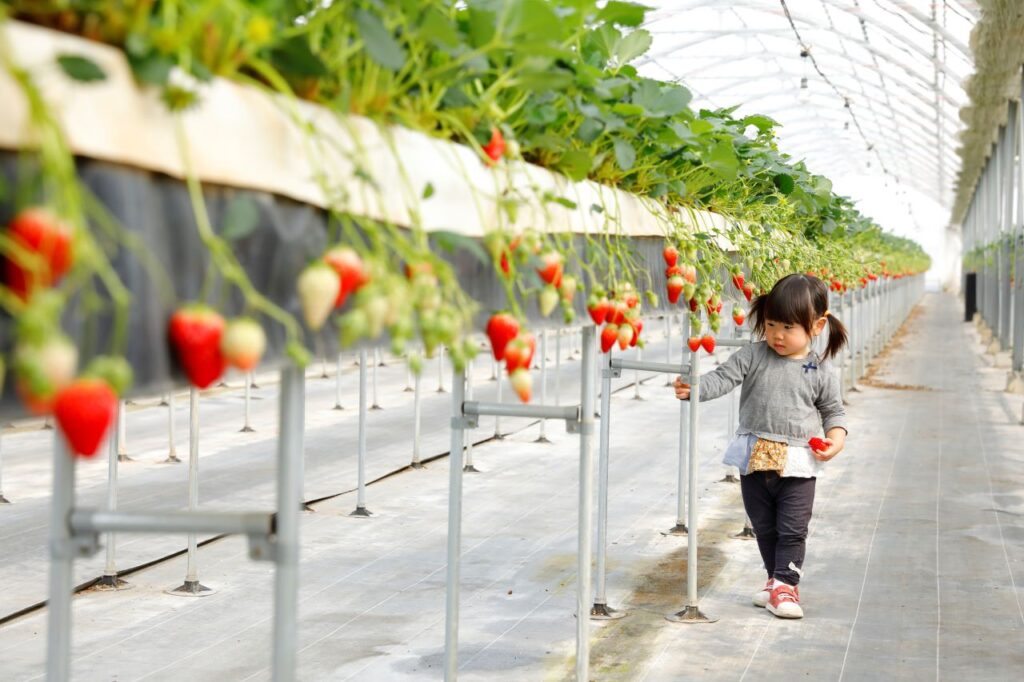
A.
pixel 788 395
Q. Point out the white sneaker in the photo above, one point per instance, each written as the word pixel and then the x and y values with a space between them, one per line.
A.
pixel 761 598
pixel 785 602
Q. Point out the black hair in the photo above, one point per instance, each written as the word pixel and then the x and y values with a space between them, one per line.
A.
pixel 798 299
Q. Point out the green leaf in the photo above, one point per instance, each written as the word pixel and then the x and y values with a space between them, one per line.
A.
pixel 633 45
pixel 605 39
pixel 575 163
pixel 533 20
pixel 561 201
pixel 623 13
pixel 481 26
pixel 428 191
pixel 452 242
pixel 380 43
pixel 240 219
pixel 784 183
pixel 81 69
pixel 762 123
pixel 293 56
pixel 627 109
pixel 699 126
pixel 673 100
pixel 625 155
pixel 722 159
pixel 152 68
pixel 589 130
pixel 436 28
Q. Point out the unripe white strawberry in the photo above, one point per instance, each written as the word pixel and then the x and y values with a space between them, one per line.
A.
pixel 548 300
pixel 243 343
pixel 522 384
pixel 318 288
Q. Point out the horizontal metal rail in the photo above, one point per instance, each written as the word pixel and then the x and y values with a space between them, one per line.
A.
pixel 732 343
pixel 644 366
pixel 85 521
pixel 482 409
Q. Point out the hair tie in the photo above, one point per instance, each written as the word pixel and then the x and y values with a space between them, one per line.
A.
pixel 827 313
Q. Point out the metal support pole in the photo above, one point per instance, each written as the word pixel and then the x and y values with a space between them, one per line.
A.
pixel 468 467
pixel 3 500
pixel 498 435
pixel 58 617
pixel 109 580
pixel 600 610
pixel 586 505
pixel 247 428
pixel 361 511
pixel 451 629
pixel 668 346
pixel 543 438
pixel 730 477
pixel 440 369
pixel 416 414
pixel 408 377
pixel 684 435
pixel 375 405
pixel 558 367
pixel 337 385
pixel 692 613
pixel 636 375
pixel 172 455
pixel 290 447
pixel 192 587
pixel 748 530
pixel 122 433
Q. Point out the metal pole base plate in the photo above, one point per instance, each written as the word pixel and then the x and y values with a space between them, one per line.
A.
pixel 441 389
pixel 499 436
pixel 47 426
pixel 111 583
pixel 470 469
pixel 306 508
pixel 4 500
pixel 417 465
pixel 542 439
pixel 246 429
pixel 361 513
pixel 408 389
pixel 605 612
pixel 163 403
pixel 191 588
pixel 375 407
pixel 690 614
pixel 253 385
pixel 171 459
pixel 678 529
pixel 730 478
pixel 125 458
pixel 338 407
pixel 746 534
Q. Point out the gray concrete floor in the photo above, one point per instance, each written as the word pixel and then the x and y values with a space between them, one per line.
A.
pixel 913 567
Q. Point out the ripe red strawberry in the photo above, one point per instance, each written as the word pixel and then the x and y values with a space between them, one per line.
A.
pixel 738 316
pixel 675 287
pixel 671 255
pixel 39 232
pixel 748 290
pixel 694 343
pixel 352 272
pixel 693 305
pixel 708 342
pixel 551 270
pixel 519 352
pixel 737 281
pixel 503 263
pixel 631 299
pixel 42 371
pixel 609 335
pixel 638 326
pixel 319 288
pixel 501 328
pixel 626 334
pixel 673 270
pixel 243 343
pixel 817 444
pixel 617 314
pixel 495 149
pixel 85 411
pixel 598 308
pixel 522 383
pixel 195 332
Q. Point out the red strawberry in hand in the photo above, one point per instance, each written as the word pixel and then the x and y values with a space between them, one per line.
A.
pixel 501 328
pixel 694 343
pixel 675 288
pixel 195 333
pixel 609 335
pixel 84 412
pixel 818 444
pixel 708 342
pixel 671 255
pixel 40 233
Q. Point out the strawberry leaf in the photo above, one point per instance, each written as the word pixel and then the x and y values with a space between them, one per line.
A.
pixel 81 69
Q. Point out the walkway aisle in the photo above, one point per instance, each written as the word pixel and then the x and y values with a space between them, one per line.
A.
pixel 915 565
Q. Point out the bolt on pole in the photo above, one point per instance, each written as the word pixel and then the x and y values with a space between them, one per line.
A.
pixel 361 511
pixel 192 587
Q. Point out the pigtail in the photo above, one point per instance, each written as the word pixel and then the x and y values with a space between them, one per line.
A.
pixel 837 337
pixel 756 314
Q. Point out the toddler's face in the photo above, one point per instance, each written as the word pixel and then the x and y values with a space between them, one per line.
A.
pixel 787 339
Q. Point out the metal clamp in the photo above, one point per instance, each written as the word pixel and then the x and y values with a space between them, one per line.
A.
pixel 262 547
pixel 578 426
pixel 611 372
pixel 466 421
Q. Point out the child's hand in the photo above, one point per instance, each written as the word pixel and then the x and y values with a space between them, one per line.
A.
pixel 682 390
pixel 836 439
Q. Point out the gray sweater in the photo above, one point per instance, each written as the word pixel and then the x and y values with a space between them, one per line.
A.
pixel 784 400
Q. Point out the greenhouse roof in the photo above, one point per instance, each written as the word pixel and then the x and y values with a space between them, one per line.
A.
pixel 859 87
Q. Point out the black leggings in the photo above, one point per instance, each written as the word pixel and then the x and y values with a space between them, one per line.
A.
pixel 780 511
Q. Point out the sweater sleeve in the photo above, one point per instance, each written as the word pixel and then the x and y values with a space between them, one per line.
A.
pixel 830 402
pixel 728 376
